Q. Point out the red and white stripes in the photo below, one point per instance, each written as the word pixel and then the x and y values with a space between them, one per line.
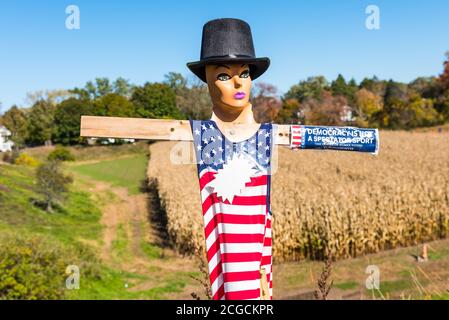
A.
pixel 238 239
pixel 295 136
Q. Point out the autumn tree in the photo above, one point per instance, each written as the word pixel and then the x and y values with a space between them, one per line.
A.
pixel 289 112
pixel 265 101
pixel 367 104
pixel 444 77
pixel 326 110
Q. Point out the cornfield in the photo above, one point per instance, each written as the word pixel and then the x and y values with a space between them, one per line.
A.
pixel 327 202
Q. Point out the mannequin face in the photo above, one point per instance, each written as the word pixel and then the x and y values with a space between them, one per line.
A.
pixel 229 85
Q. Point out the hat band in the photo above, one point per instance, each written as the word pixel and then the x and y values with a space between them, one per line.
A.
pixel 230 56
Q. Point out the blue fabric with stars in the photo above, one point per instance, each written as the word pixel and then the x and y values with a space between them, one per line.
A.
pixel 213 149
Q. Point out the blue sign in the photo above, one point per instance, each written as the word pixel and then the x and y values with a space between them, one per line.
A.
pixel 340 138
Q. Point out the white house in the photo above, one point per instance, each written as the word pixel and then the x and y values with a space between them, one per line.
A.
pixel 5 143
pixel 346 115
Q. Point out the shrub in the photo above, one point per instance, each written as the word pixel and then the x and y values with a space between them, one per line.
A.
pixel 33 267
pixel 62 154
pixel 51 182
pixel 27 160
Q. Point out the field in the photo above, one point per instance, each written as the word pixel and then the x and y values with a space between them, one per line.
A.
pixel 326 202
pixel 133 242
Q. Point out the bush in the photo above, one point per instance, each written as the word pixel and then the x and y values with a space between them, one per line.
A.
pixel 32 267
pixel 62 154
pixel 27 160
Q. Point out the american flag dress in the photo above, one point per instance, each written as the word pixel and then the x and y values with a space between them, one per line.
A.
pixel 234 180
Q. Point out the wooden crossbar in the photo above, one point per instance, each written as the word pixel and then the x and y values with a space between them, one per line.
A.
pixel 151 129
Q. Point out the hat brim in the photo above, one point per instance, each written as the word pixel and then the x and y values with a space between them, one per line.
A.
pixel 257 66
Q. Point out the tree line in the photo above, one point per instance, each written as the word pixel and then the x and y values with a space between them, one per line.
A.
pixel 54 116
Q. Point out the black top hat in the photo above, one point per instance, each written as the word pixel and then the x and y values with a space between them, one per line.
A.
pixel 228 41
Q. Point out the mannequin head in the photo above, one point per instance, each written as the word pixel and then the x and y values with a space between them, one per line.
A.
pixel 229 87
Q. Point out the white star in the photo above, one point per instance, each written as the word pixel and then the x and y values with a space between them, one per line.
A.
pixel 212 139
pixel 207 155
pixel 260 132
pixel 198 147
pixel 260 143
pixel 252 140
pixel 211 126
pixel 267 148
pixel 267 160
pixel 267 135
pixel 220 149
pixel 201 162
pixel 215 163
pixel 220 138
pixel 203 127
pixel 197 132
pixel 214 151
pixel 205 140
pixel 221 161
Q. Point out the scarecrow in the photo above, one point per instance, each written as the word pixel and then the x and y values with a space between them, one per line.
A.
pixel 234 157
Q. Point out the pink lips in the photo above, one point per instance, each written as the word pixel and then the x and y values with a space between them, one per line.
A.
pixel 240 95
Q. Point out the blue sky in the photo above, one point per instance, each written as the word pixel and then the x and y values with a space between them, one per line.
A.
pixel 143 40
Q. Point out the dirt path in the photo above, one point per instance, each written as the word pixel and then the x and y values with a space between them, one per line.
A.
pixel 127 226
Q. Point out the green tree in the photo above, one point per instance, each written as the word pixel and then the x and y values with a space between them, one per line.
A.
pixel 40 123
pixel 16 121
pixel 67 120
pixel 313 87
pixel 113 105
pixel 155 100
pixel 51 183
pixel 103 86
pixel 122 87
pixel 176 81
pixel 339 87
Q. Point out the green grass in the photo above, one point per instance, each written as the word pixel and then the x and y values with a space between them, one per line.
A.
pixel 125 172
pixel 76 219
pixel 150 250
pixel 92 153
pixel 346 285
pixel 120 244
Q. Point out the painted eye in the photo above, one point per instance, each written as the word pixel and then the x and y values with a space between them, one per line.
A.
pixel 244 74
pixel 223 77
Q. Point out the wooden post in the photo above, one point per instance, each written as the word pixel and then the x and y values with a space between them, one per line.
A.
pixel 153 129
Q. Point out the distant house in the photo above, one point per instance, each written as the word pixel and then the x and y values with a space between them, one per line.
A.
pixel 5 143
pixel 93 141
pixel 346 115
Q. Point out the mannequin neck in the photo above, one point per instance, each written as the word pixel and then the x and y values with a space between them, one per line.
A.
pixel 236 126
pixel 229 115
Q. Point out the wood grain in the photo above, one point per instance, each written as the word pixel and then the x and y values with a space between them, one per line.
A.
pixel 151 129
